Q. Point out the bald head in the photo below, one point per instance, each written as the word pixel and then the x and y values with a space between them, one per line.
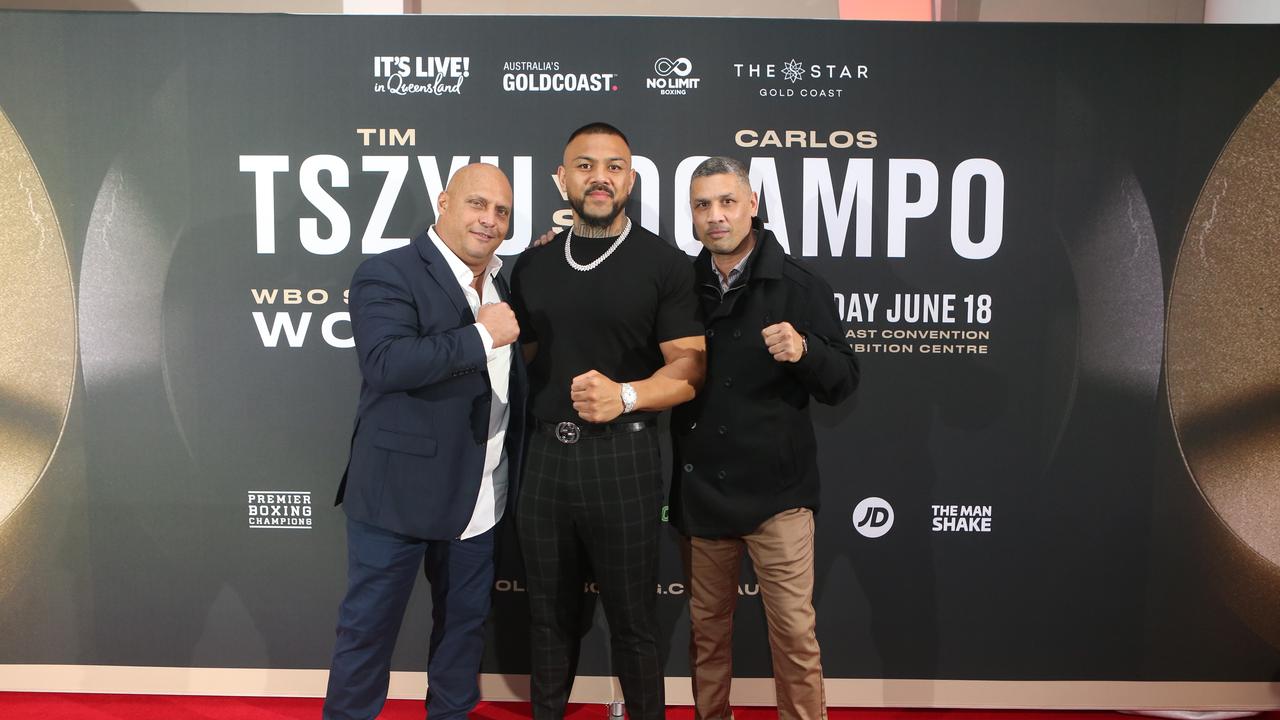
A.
pixel 473 213
pixel 477 173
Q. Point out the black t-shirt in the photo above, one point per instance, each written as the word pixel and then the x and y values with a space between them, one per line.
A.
pixel 609 319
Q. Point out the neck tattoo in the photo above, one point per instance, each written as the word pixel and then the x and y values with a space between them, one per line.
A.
pixel 568 252
pixel 584 230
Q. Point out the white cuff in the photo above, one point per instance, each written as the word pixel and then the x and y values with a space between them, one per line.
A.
pixel 485 339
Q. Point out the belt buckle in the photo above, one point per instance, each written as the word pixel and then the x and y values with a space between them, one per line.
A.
pixel 568 433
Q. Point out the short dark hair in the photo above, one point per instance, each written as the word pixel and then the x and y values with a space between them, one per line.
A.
pixel 721 165
pixel 598 128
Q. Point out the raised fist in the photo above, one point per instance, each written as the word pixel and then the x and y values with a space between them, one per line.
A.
pixel 500 322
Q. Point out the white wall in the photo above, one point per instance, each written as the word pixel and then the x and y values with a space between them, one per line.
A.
pixel 1242 11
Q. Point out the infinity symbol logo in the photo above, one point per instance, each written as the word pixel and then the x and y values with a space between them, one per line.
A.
pixel 666 66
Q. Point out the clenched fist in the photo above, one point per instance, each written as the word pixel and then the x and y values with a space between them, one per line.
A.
pixel 500 322
pixel 784 343
pixel 596 398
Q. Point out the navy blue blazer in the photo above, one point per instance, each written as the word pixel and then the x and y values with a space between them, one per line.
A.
pixel 417 450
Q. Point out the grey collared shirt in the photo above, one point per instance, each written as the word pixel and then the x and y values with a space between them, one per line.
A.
pixel 735 273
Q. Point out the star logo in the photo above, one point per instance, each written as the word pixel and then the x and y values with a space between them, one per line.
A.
pixel 792 70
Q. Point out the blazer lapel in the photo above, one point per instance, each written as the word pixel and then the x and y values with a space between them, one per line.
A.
pixel 439 270
pixel 504 292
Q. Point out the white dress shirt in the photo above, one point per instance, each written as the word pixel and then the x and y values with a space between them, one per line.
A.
pixel 493 480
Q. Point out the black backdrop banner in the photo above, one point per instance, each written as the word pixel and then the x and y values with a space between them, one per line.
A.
pixel 1053 247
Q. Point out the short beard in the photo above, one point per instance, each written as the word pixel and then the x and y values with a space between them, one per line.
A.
pixel 588 226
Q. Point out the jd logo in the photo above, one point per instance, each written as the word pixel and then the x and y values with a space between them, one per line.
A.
pixel 873 517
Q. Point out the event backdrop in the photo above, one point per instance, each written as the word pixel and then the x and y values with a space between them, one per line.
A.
pixel 1054 249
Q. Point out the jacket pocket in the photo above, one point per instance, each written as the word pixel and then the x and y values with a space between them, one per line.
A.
pixel 405 443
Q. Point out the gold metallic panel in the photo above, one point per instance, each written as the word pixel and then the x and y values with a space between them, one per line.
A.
pixel 38 328
pixel 1223 355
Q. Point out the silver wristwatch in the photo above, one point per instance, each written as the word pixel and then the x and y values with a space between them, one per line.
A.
pixel 628 398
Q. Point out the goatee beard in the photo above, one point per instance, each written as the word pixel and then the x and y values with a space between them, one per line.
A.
pixel 593 226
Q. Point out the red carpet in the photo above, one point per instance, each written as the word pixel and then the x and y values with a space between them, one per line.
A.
pixel 72 706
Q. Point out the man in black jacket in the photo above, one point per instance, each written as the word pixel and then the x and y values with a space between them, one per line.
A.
pixel 746 472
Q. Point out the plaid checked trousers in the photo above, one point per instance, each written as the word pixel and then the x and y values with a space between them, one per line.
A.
pixel 593 504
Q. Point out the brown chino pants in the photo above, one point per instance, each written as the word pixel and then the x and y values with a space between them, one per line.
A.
pixel 782 553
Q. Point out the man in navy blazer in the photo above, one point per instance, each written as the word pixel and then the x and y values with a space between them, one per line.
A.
pixel 436 450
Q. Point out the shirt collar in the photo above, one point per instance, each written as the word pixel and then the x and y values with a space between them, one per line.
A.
pixel 456 266
pixel 735 272
pixel 739 271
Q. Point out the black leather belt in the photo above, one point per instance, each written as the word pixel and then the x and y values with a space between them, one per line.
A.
pixel 570 433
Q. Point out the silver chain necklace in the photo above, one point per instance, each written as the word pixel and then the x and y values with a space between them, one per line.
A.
pixel 568 253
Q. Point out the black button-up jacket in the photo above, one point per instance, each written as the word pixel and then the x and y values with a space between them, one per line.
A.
pixel 744 447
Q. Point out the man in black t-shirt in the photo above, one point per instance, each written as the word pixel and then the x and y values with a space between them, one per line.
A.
pixel 608 320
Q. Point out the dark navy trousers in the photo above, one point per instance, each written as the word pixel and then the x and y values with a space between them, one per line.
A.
pixel 381 569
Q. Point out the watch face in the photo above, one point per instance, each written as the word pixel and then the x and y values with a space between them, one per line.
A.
pixel 628 398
